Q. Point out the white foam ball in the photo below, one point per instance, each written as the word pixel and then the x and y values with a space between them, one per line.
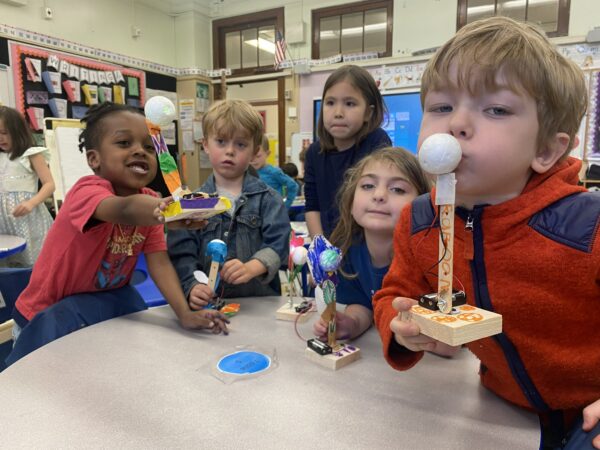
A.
pixel 160 111
pixel 440 153
pixel 299 256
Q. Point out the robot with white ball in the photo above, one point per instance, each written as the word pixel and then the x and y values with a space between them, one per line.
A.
pixel 160 112
pixel 294 311
pixel 445 316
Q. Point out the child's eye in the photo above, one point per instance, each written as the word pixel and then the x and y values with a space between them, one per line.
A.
pixel 350 103
pixel 329 102
pixel 367 186
pixel 397 190
pixel 242 144
pixel 441 109
pixel 497 111
pixel 123 143
pixel 149 147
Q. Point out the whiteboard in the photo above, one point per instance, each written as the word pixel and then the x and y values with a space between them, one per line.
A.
pixel 73 163
pixel 6 92
pixel 67 163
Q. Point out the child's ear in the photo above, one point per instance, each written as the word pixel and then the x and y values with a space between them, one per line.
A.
pixel 554 149
pixel 93 159
pixel 369 113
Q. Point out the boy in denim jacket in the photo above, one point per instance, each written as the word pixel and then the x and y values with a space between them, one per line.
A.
pixel 256 229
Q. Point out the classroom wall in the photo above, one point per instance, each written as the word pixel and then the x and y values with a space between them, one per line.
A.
pixel 104 24
pixel 184 39
pixel 193 40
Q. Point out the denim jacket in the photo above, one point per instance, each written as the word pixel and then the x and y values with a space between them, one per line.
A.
pixel 260 230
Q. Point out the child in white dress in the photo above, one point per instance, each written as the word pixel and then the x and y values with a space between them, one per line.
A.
pixel 22 209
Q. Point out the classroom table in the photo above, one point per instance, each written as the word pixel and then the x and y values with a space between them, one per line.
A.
pixel 9 245
pixel 141 381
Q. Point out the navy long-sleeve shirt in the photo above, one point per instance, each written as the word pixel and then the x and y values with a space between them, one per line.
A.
pixel 324 174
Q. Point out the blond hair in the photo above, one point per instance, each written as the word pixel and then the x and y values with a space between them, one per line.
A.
pixel 347 230
pixel 528 62
pixel 228 117
pixel 264 144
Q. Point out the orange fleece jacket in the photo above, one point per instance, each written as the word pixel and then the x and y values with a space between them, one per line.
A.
pixel 548 293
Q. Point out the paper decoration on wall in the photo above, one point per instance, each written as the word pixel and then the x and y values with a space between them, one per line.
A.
pixel 119 94
pixel 74 71
pixel 104 94
pixel 64 67
pixel 83 75
pixel 34 69
pixel 90 94
pixel 79 111
pixel 36 117
pixel 72 90
pixel 57 71
pixel 132 84
pixel 36 97
pixel 58 106
pixel 52 82
pixel 52 62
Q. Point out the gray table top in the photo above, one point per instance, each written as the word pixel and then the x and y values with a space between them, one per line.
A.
pixel 141 381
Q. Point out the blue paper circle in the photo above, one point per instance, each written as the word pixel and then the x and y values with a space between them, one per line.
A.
pixel 244 363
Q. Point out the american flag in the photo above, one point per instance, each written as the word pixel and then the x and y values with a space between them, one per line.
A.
pixel 280 48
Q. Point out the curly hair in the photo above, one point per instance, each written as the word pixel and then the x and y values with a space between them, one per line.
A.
pixel 91 135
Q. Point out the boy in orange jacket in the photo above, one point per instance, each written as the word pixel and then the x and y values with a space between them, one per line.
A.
pixel 527 240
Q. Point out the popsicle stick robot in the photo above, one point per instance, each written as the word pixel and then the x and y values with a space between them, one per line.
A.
pixel 323 261
pixel 295 310
pixel 445 316
pixel 161 112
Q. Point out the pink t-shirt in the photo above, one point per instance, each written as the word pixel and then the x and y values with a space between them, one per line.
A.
pixel 80 255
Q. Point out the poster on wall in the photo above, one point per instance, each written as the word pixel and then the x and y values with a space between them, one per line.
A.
pixel 202 100
pixel 48 83
pixel 592 147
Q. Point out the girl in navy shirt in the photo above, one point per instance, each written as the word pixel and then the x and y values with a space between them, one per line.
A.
pixel 371 198
pixel 348 129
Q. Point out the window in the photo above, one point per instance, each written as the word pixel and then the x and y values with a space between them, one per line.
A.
pixel 551 15
pixel 354 28
pixel 246 44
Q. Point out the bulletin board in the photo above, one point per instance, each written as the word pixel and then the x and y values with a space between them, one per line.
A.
pixel 49 83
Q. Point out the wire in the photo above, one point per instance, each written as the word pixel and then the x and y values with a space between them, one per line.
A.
pixel 311 309
pixel 429 228
pixel 429 271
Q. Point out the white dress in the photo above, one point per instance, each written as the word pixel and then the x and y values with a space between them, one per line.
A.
pixel 19 183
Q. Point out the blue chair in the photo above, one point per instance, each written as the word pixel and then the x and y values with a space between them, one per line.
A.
pixel 142 281
pixel 12 283
pixel 72 313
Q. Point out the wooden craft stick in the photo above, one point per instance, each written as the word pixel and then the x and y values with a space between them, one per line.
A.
pixel 212 276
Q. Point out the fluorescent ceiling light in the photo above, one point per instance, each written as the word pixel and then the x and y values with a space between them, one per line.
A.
pixel 263 44
pixel 513 4
pixel 354 31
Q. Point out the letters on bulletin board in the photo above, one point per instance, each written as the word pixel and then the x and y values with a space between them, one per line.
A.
pixel 55 84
